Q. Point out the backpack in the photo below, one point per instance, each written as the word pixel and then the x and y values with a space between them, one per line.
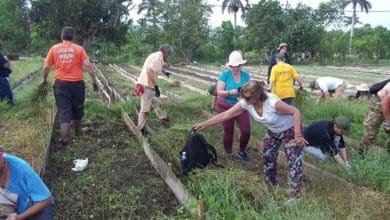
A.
pixel 374 88
pixel 197 153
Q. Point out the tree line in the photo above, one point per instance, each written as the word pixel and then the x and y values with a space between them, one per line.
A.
pixel 326 33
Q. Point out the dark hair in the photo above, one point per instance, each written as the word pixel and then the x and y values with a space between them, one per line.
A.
pixel 67 33
pixel 256 89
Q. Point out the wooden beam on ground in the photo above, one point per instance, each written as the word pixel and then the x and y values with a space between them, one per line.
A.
pixel 185 198
pixel 50 118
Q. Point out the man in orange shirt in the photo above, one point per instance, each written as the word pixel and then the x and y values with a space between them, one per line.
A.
pixel 69 61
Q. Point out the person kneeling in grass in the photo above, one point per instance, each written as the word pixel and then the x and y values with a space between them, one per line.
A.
pixel 283 123
pixel 326 138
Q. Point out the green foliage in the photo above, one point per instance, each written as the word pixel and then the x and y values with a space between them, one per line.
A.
pixel 92 20
pixel 14 25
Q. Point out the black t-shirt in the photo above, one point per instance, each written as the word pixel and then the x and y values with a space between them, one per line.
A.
pixel 320 134
pixel 4 72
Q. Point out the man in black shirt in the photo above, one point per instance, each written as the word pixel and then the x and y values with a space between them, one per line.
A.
pixel 326 138
pixel 283 47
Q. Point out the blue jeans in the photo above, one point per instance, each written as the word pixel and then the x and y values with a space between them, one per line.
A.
pixel 6 91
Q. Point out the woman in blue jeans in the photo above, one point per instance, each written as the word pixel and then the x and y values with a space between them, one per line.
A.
pixel 228 86
pixel 33 199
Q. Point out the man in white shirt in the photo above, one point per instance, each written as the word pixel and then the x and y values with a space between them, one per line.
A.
pixel 147 86
pixel 329 87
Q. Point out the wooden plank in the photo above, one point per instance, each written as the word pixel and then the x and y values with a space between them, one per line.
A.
pixel 185 198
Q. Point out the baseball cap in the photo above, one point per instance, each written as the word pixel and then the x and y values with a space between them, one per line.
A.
pixel 343 122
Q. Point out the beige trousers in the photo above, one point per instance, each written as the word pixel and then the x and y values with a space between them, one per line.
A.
pixel 149 100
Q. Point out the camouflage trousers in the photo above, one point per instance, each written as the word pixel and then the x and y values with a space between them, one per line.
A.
pixel 293 152
pixel 372 123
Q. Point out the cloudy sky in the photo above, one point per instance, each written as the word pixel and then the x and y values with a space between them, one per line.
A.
pixel 375 17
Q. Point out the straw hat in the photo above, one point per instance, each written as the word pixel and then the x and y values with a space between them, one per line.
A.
pixel 235 59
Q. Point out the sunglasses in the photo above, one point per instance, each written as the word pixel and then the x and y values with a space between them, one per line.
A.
pixel 247 98
pixel 235 66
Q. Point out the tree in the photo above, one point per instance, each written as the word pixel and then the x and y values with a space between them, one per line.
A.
pixel 233 6
pixel 152 13
pixel 14 25
pixel 364 6
pixel 185 25
pixel 93 20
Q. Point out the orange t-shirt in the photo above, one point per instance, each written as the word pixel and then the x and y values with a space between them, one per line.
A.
pixel 67 58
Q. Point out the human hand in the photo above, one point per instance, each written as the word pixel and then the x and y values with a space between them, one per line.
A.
pixel 166 73
pixel 300 141
pixel 199 127
pixel 234 91
pixel 156 91
pixel 12 216
pixel 95 86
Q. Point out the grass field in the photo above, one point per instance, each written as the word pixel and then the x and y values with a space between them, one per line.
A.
pixel 121 180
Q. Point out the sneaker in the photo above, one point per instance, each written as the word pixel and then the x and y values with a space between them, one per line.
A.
pixel 243 156
pixel 292 202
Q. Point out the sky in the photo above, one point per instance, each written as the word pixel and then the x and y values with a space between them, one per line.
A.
pixel 373 18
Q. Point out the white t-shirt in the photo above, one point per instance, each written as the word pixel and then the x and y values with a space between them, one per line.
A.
pixel 328 83
pixel 270 119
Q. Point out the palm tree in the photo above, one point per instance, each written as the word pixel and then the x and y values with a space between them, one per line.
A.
pixel 364 6
pixel 234 6
pixel 147 5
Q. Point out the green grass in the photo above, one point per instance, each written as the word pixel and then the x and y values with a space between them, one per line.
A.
pixel 21 68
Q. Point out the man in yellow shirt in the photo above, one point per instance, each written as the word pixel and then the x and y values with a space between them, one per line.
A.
pixel 282 80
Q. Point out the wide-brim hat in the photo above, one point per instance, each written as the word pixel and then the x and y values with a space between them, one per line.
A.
pixel 282 45
pixel 362 87
pixel 235 59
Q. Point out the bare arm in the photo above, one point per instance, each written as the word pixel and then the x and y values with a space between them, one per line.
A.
pixel 34 209
pixel 343 154
pixel 89 68
pixel 45 72
pixel 221 117
pixel 271 85
pixel 284 109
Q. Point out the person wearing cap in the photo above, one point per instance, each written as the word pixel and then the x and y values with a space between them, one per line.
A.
pixel 69 61
pixel 230 81
pixel 329 87
pixel 147 86
pixel 5 87
pixel 282 80
pixel 283 47
pixel 27 192
pixel 378 112
pixel 325 138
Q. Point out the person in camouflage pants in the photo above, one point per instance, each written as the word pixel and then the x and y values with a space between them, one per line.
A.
pixel 378 112
pixel 293 152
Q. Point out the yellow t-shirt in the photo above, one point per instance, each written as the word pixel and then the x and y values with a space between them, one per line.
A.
pixel 283 75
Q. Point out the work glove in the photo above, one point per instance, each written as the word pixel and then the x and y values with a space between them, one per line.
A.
pixel 166 73
pixel 156 91
pixel 386 126
pixel 95 86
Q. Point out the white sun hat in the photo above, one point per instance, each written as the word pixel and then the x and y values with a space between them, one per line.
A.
pixel 362 87
pixel 235 59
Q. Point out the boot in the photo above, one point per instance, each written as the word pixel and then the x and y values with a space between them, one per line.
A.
pixel 77 127
pixel 65 133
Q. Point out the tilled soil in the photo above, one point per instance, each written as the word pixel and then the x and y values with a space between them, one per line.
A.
pixel 119 182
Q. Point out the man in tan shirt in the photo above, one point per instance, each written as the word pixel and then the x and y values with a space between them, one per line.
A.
pixel 148 80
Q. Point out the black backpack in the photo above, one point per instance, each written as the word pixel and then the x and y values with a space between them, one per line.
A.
pixel 374 88
pixel 197 153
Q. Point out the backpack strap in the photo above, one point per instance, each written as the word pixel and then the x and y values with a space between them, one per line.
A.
pixel 214 158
